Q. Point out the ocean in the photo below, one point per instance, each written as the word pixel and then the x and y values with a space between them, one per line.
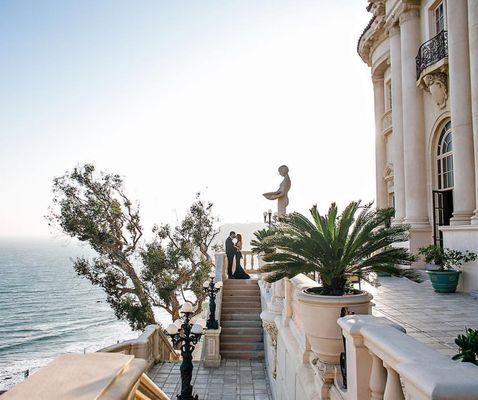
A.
pixel 47 310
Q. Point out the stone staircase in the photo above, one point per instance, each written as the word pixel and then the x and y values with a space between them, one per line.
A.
pixel 241 334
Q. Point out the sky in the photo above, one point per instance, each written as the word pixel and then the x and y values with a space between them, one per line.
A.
pixel 184 96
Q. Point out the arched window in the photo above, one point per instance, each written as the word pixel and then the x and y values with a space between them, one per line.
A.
pixel 445 159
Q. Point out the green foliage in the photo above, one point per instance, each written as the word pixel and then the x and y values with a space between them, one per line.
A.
pixel 94 208
pixel 433 254
pixel 468 344
pixel 446 258
pixel 260 245
pixel 337 247
pixel 177 261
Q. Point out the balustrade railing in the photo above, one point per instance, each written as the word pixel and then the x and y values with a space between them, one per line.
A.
pixel 152 345
pixel 385 363
pixel 251 262
pixel 432 51
pixel 387 121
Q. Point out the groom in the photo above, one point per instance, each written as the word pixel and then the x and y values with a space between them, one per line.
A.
pixel 230 253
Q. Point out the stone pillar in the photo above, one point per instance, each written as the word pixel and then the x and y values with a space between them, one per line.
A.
pixel 473 36
pixel 212 355
pixel 416 212
pixel 397 124
pixel 380 146
pixel 461 117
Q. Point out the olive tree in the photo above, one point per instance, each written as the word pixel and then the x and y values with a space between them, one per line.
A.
pixel 136 276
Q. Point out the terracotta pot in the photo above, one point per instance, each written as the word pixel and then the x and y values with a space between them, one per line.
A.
pixel 319 318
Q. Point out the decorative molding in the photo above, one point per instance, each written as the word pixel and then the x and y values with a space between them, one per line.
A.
pixel 394 30
pixel 373 32
pixel 437 85
pixel 271 329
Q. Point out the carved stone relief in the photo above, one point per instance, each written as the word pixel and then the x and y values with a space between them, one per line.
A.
pixel 436 84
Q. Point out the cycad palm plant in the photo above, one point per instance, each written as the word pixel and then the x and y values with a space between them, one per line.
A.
pixel 357 242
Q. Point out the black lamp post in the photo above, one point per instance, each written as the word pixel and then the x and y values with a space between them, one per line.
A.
pixel 270 218
pixel 211 289
pixel 187 335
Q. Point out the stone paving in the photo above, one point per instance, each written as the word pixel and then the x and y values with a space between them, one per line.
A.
pixel 233 380
pixel 433 318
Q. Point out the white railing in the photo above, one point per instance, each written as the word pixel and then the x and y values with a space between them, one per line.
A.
pixel 387 121
pixel 152 345
pixel 251 262
pixel 385 363
pixel 382 361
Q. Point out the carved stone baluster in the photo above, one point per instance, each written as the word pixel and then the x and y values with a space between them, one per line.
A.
pixel 393 388
pixel 252 261
pixel 378 378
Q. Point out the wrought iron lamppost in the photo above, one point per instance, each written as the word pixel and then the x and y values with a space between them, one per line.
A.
pixel 211 289
pixel 184 333
pixel 270 218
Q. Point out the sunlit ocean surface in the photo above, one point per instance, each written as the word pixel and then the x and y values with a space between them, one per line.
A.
pixel 46 309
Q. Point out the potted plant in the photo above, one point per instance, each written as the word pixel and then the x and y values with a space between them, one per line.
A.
pixel 443 266
pixel 468 344
pixel 337 248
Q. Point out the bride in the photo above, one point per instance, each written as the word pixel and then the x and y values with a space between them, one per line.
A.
pixel 239 273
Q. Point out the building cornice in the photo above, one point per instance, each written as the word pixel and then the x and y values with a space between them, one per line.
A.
pixel 382 26
pixel 373 31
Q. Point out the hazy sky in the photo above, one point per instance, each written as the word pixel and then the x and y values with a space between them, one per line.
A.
pixel 181 96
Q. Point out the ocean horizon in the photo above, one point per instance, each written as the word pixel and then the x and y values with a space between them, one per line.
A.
pixel 46 309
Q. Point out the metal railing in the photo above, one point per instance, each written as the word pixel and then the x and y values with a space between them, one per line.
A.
pixel 432 51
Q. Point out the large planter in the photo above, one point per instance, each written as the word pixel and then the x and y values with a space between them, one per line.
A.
pixel 444 281
pixel 319 316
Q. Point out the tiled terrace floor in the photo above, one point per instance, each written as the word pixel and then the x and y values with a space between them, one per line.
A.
pixel 233 380
pixel 433 318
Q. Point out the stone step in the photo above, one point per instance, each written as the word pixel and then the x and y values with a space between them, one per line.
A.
pixel 225 346
pixel 235 310
pixel 240 317
pixel 241 331
pixel 242 293
pixel 242 299
pixel 241 324
pixel 241 282
pixel 241 339
pixel 243 355
pixel 233 303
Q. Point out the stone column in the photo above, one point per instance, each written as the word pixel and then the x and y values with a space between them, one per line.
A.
pixel 473 35
pixel 416 212
pixel 461 117
pixel 414 159
pixel 397 124
pixel 380 146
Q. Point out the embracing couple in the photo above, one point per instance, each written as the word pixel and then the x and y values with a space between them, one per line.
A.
pixel 234 255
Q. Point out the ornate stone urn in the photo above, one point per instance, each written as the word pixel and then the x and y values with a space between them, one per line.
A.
pixel 319 315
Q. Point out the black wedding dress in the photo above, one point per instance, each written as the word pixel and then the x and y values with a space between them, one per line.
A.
pixel 239 273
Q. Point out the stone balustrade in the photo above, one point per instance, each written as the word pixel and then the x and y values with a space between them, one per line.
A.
pixel 387 122
pixel 382 361
pixel 95 376
pixel 385 363
pixel 152 345
pixel 250 262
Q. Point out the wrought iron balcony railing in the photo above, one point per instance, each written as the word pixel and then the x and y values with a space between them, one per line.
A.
pixel 432 51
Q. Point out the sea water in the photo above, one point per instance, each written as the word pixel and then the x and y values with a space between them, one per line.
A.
pixel 46 309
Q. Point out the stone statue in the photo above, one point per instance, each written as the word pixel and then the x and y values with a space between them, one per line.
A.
pixel 281 194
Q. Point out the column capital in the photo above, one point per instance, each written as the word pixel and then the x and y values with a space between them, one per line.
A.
pixel 377 79
pixel 394 30
pixel 409 12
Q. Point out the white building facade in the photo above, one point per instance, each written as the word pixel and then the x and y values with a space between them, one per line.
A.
pixel 424 61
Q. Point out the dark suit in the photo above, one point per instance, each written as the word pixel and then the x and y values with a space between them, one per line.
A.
pixel 230 253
